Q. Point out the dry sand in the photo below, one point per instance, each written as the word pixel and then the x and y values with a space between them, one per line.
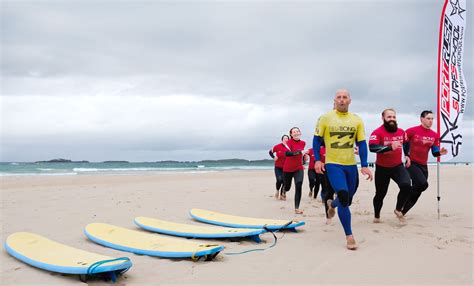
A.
pixel 424 251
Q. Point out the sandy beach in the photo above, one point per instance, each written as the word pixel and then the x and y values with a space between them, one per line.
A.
pixel 425 251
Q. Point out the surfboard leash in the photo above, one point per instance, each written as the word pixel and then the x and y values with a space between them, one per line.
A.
pixel 275 239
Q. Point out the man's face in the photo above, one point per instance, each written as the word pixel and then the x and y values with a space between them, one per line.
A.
pixel 342 101
pixel 427 121
pixel 390 117
pixel 390 120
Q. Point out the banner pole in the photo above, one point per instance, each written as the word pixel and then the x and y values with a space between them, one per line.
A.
pixel 437 178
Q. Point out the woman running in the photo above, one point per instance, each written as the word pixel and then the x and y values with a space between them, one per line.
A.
pixel 293 166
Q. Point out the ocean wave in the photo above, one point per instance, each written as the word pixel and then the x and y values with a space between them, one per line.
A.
pixel 123 171
pixel 127 169
pixel 37 174
pixel 85 169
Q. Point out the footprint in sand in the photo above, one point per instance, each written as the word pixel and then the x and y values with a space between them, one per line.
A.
pixel 376 231
pixel 418 225
pixel 399 225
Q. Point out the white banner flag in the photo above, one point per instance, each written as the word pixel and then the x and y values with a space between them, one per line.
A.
pixel 452 89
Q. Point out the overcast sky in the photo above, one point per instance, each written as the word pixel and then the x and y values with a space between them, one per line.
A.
pixel 150 80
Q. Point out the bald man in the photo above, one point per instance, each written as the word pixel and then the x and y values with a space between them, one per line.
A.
pixel 341 130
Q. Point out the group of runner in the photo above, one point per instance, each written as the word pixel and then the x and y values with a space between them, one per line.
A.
pixel 338 137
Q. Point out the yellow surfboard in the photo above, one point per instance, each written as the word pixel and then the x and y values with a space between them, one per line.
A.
pixel 196 231
pixel 46 254
pixel 243 222
pixel 147 243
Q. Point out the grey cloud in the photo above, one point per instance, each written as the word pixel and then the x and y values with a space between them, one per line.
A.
pixel 266 53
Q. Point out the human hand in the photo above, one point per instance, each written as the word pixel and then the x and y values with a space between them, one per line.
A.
pixel 366 171
pixel 407 162
pixel 396 145
pixel 319 167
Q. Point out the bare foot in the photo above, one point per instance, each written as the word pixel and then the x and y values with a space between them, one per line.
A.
pixel 310 194
pixel 277 195
pixel 331 210
pixel 351 243
pixel 298 211
pixel 328 221
pixel 400 216
pixel 377 220
pixel 283 197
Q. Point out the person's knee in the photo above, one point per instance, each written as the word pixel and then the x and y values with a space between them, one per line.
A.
pixel 420 187
pixel 343 197
pixel 405 186
pixel 424 187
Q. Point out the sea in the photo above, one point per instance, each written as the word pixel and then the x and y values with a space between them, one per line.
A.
pixel 123 167
pixel 44 168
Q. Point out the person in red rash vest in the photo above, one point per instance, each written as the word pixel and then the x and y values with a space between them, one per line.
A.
pixel 278 154
pixel 387 141
pixel 315 179
pixel 420 140
pixel 293 166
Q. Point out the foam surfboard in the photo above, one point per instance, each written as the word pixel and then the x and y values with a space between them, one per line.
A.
pixel 196 231
pixel 243 222
pixel 47 254
pixel 148 243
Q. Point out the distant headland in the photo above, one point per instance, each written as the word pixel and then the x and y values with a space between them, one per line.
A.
pixel 62 161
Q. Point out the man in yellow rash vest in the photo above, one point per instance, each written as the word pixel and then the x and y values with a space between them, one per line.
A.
pixel 340 129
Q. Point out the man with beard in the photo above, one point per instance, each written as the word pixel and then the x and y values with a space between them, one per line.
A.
pixel 420 140
pixel 386 141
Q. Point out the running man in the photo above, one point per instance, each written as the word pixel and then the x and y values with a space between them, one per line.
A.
pixel 278 155
pixel 420 140
pixel 293 166
pixel 387 142
pixel 340 129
